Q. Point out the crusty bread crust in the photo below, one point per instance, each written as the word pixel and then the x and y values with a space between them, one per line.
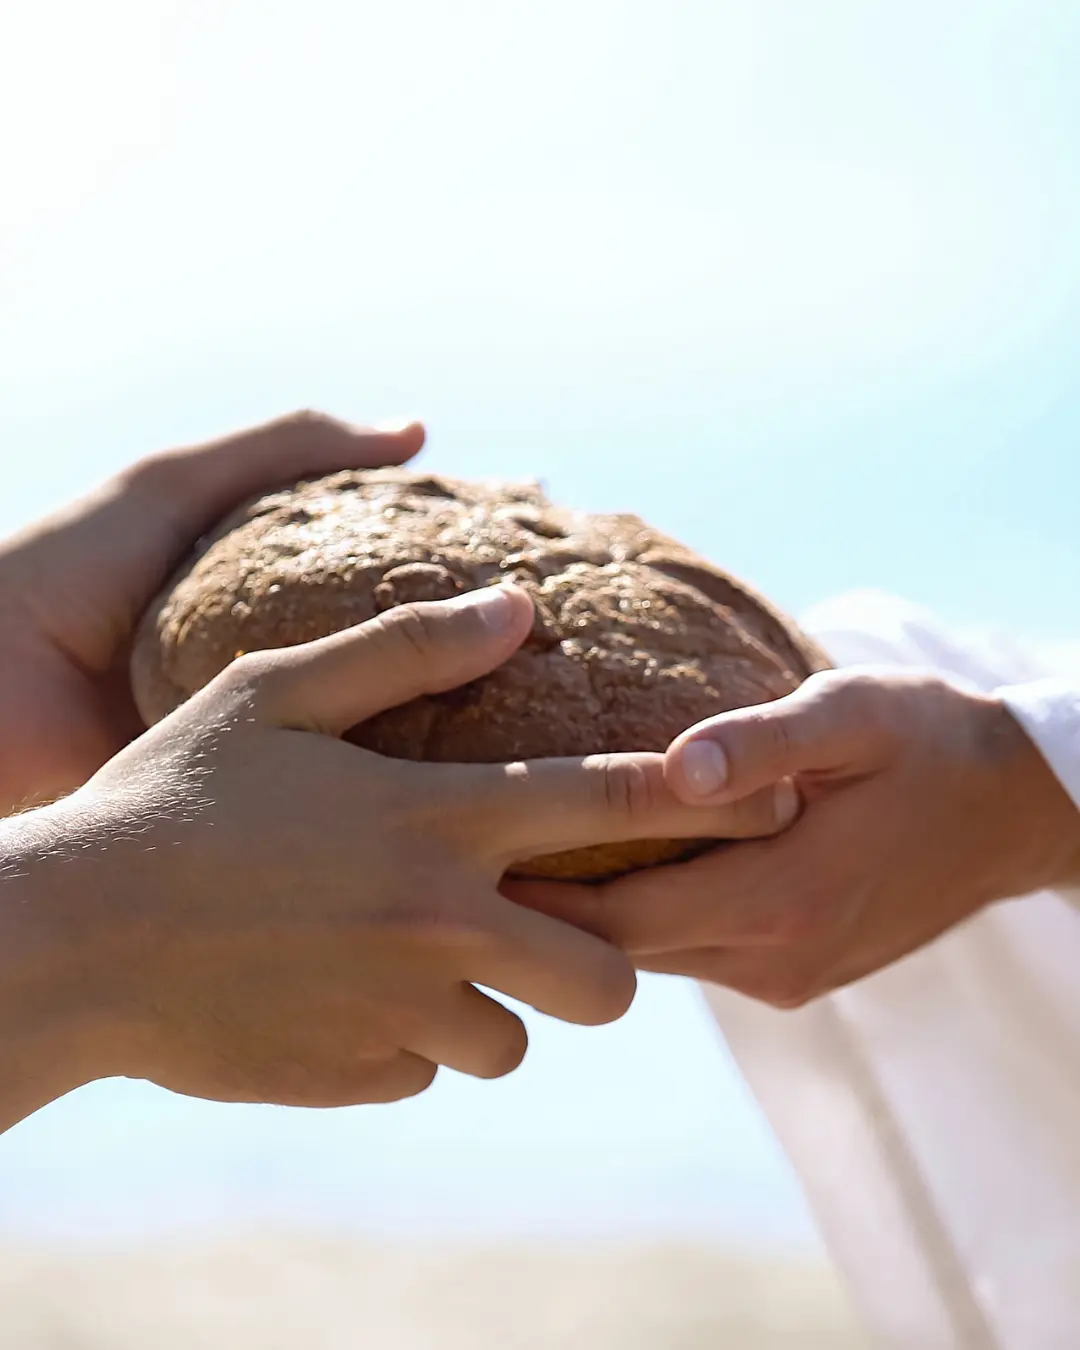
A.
pixel 635 637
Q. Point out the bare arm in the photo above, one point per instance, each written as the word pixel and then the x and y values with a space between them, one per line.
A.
pixel 55 1032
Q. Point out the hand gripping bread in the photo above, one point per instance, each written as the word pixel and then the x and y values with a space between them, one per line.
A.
pixel 635 637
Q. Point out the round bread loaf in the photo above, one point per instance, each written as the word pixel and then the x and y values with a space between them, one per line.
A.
pixel 635 637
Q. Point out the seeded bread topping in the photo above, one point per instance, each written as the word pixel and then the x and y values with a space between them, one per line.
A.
pixel 635 637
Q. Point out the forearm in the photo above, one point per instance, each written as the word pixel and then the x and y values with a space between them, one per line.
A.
pixel 51 1033
pixel 1049 713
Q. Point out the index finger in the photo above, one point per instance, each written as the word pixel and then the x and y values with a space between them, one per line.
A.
pixel 542 806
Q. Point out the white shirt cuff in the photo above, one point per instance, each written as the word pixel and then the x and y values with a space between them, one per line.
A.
pixel 1049 711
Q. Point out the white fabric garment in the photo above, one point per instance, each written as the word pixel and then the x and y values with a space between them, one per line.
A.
pixel 933 1109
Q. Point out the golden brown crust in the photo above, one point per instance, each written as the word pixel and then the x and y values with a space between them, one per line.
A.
pixel 635 637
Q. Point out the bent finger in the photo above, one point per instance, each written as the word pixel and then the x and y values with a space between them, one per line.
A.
pixel 472 1034
pixel 404 1075
pixel 553 967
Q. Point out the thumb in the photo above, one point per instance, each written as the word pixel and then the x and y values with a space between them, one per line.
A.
pixel 90 570
pixel 194 486
pixel 828 725
pixel 337 682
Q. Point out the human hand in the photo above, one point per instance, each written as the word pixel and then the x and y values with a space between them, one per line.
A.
pixel 920 805
pixel 73 587
pixel 242 909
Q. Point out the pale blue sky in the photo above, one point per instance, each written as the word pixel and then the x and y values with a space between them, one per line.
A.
pixel 800 282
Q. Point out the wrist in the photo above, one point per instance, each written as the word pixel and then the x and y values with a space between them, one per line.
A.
pixel 57 1030
pixel 1039 820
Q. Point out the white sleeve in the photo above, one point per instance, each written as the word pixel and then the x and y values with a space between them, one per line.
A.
pixel 1049 711
pixel 930 1109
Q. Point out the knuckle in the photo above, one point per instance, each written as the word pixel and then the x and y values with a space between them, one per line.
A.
pixel 418 1079
pixel 870 711
pixel 439 923
pixel 406 1077
pixel 505 1055
pixel 614 987
pixel 790 998
pixel 250 668
pixel 822 684
pixel 161 475
pixel 150 471
pixel 306 421
pixel 784 988
pixel 408 626
pixel 628 790
pixel 768 736
pixel 859 698
pixel 263 675
pixel 778 734
pixel 460 936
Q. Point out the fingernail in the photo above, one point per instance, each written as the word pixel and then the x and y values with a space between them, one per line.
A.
pixel 785 802
pixel 493 606
pixel 704 767
pixel 396 427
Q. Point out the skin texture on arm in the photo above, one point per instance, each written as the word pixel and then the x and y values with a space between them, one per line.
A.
pixel 50 1033
pixel 920 805
pixel 244 907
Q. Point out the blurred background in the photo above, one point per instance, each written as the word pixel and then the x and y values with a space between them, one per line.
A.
pixel 798 282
